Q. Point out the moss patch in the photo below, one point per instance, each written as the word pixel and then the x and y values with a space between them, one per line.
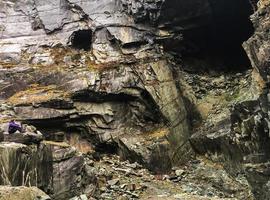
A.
pixel 59 144
pixel 157 133
pixel 37 94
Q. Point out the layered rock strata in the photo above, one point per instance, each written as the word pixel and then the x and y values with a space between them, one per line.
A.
pixel 153 81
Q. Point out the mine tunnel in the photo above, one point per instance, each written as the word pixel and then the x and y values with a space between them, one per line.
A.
pixel 214 32
pixel 81 39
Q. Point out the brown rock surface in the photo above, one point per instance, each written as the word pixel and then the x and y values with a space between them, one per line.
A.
pixel 22 193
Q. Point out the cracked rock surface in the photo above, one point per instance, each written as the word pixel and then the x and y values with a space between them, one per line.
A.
pixel 126 99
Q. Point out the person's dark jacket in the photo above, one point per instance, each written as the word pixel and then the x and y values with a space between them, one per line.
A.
pixel 13 127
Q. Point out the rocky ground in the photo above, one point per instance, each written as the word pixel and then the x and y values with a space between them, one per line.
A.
pixel 103 176
pixel 198 179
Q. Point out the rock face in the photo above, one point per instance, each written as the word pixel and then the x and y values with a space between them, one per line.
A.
pixel 153 81
pixel 54 167
pixel 25 165
pixel 26 138
pixel 257 46
pixel 241 140
pixel 124 73
pixel 257 122
pixel 68 172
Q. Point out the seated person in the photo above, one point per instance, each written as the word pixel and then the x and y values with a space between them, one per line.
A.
pixel 13 127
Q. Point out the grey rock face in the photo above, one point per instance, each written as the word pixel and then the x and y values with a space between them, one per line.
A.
pixel 56 168
pixel 241 140
pixel 67 174
pixel 25 165
pixel 252 118
pixel 144 10
pixel 241 143
pixel 257 47
pixel 142 87
pixel 254 122
pixel 99 70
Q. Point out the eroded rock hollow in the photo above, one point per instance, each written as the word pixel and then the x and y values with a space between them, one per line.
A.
pixel 121 98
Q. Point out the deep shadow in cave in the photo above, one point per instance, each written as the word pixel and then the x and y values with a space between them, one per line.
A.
pixel 218 46
pixel 82 39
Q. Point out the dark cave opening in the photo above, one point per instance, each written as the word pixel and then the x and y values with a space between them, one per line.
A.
pixel 54 130
pixel 82 39
pixel 106 148
pixel 217 46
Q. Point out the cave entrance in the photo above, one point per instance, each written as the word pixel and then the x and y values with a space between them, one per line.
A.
pixel 82 39
pixel 218 45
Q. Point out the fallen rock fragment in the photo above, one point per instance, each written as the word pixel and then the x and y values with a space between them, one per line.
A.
pixel 113 182
pixel 22 193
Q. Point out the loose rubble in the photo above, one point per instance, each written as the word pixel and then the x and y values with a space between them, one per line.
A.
pixel 199 179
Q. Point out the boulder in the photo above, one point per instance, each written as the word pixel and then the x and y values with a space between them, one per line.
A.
pixel 22 193
pixel 69 175
pixel 57 168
